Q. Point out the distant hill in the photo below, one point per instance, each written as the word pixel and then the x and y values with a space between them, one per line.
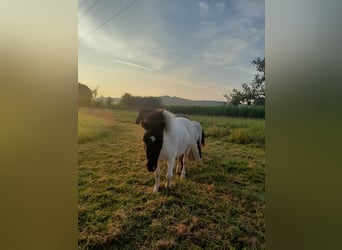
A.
pixel 173 101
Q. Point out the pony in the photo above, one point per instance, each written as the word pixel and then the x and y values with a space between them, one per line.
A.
pixel 199 135
pixel 167 137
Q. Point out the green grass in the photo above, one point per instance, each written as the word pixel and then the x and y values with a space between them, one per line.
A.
pixel 92 125
pixel 235 130
pixel 219 205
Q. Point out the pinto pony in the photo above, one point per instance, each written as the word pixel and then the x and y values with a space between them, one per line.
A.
pixel 167 137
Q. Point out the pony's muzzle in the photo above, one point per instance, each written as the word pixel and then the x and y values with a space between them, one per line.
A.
pixel 151 167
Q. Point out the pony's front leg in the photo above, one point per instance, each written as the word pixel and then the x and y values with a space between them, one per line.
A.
pixel 183 170
pixel 156 179
pixel 169 174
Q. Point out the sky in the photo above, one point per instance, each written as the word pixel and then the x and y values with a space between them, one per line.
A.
pixel 199 50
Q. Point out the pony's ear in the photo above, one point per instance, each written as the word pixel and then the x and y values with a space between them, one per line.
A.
pixel 145 124
pixel 163 124
pixel 153 125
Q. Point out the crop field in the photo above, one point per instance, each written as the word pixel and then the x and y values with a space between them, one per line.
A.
pixel 219 205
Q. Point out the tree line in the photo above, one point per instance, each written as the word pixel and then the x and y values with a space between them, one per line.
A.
pixel 87 98
pixel 129 101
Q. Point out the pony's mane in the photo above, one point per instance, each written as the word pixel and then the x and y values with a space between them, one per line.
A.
pixel 169 118
pixel 158 119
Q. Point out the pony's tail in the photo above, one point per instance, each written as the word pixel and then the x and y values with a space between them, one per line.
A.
pixel 202 140
pixel 193 153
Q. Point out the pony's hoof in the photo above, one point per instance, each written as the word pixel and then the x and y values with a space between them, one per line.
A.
pixel 155 190
pixel 168 184
pixel 182 176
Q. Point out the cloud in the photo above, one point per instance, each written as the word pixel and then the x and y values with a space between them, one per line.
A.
pixel 135 65
pixel 224 51
pixel 207 29
pixel 141 49
pixel 197 41
pixel 220 6
pixel 134 36
pixel 250 8
pixel 243 27
pixel 233 40
pixel 204 8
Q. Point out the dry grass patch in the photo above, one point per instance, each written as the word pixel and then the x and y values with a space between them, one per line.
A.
pixel 106 114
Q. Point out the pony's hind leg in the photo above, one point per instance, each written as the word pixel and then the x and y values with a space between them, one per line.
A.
pixel 156 179
pixel 169 174
pixel 183 164
pixel 180 164
pixel 199 148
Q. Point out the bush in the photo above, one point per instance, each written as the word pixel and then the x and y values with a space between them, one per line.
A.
pixel 84 95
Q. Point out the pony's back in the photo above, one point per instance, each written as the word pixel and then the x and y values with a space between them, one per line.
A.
pixel 179 136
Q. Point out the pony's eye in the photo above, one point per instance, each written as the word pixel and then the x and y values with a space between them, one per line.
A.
pixel 152 139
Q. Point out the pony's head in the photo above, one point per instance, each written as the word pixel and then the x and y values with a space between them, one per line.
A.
pixel 155 120
pixel 154 125
pixel 142 114
pixel 153 145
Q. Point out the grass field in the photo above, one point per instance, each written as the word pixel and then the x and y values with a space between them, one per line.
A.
pixel 219 205
pixel 93 123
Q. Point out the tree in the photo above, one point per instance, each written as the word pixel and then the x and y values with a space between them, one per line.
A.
pixel 84 95
pixel 235 97
pixel 94 93
pixel 254 92
pixel 109 101
pixel 258 84
pixel 129 101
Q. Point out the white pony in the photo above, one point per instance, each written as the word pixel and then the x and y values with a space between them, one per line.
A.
pixel 167 137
